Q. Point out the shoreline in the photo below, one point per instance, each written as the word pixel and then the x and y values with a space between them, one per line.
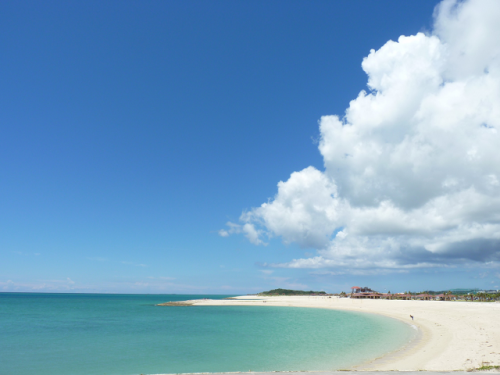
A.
pixel 452 336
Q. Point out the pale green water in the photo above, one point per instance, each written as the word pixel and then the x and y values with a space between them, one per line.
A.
pixel 83 334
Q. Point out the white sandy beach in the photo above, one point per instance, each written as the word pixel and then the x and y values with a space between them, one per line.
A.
pixel 451 335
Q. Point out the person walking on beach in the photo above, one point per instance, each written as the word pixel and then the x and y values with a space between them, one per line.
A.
pixel 411 316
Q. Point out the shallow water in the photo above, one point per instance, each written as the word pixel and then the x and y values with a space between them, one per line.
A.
pixel 85 334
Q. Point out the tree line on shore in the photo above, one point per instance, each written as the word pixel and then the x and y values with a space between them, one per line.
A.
pixel 290 292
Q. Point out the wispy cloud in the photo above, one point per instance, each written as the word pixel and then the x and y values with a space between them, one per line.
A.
pixel 267 272
pixel 102 259
pixel 161 278
pixel 248 229
pixel 55 285
pixel 148 285
pixel 134 264
pixel 360 272
pixel 23 253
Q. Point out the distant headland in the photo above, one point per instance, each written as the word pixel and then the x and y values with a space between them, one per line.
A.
pixel 290 292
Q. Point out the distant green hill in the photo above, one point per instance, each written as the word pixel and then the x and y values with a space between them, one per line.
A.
pixel 289 292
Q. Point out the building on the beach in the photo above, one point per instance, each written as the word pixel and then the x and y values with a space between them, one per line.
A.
pixel 445 297
pixel 358 289
pixel 374 295
pixel 424 297
pixel 365 292
pixel 355 289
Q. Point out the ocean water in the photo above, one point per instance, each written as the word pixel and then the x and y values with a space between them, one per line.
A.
pixel 102 334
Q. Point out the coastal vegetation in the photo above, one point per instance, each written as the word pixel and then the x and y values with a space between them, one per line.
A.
pixel 471 295
pixel 290 292
pixel 488 368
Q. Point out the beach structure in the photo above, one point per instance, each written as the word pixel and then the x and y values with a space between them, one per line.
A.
pixel 491 291
pixel 365 292
pixel 374 295
pixel 358 289
pixel 424 297
pixel 403 296
pixel 445 297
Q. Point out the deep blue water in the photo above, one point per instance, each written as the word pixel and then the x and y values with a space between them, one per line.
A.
pixel 102 334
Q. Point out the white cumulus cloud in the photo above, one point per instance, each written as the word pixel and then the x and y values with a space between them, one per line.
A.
pixel 411 172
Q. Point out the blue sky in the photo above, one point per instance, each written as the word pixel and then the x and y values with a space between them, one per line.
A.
pixel 132 132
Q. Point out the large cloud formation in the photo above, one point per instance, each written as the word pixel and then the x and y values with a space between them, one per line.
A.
pixel 412 171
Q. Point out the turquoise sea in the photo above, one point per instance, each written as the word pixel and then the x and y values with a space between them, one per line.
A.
pixel 103 334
